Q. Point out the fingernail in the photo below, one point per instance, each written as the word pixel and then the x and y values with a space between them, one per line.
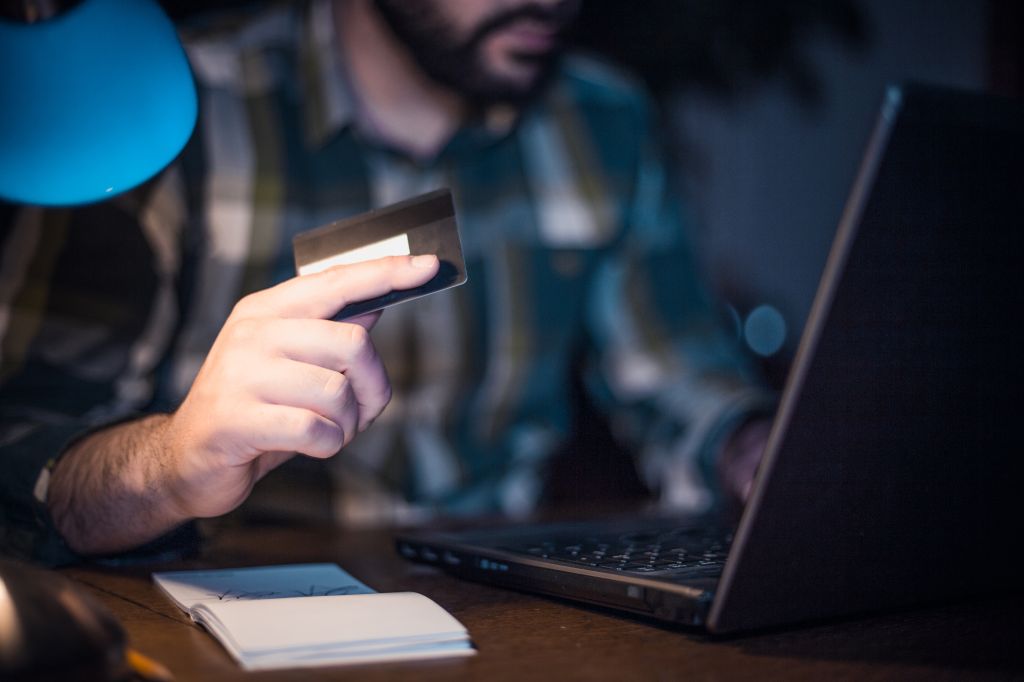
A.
pixel 424 262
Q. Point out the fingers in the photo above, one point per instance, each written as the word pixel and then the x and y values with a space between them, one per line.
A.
pixel 323 391
pixel 280 377
pixel 339 347
pixel 323 294
pixel 293 429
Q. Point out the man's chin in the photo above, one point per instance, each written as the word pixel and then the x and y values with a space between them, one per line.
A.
pixel 516 83
pixel 504 93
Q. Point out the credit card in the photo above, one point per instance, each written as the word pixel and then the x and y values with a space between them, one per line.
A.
pixel 421 225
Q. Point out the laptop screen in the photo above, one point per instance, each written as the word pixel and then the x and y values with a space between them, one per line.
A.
pixel 887 475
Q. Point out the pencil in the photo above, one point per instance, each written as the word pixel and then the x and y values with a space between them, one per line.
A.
pixel 146 668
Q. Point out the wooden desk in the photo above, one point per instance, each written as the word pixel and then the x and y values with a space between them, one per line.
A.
pixel 525 637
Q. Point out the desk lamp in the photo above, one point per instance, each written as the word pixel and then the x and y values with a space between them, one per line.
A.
pixel 96 97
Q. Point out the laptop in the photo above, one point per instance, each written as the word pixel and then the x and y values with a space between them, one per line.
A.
pixel 893 462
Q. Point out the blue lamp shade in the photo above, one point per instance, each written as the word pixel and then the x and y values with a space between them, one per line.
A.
pixel 92 102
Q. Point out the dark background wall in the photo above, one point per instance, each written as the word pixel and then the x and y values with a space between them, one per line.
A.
pixel 772 171
pixel 769 105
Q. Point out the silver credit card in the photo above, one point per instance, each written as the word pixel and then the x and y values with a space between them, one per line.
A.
pixel 421 225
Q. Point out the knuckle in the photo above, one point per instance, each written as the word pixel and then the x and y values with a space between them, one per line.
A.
pixel 358 342
pixel 333 439
pixel 304 426
pixel 243 331
pixel 337 388
pixel 320 437
pixel 332 442
pixel 348 400
pixel 357 336
pixel 247 306
pixel 332 276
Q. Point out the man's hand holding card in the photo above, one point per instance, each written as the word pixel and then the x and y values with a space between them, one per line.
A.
pixel 283 376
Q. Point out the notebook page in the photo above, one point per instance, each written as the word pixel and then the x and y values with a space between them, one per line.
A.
pixel 190 588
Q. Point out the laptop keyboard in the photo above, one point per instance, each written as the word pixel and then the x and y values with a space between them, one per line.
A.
pixel 686 550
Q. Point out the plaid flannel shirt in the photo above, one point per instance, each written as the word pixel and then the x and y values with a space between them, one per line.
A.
pixel 576 249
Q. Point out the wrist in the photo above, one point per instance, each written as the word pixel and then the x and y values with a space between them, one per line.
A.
pixel 109 491
pixel 173 488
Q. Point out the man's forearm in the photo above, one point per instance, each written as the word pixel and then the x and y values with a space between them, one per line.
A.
pixel 110 493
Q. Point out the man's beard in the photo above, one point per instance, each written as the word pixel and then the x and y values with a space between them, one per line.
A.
pixel 459 65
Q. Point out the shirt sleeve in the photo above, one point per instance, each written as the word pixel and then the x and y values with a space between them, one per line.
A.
pixel 84 305
pixel 679 382
pixel 28 451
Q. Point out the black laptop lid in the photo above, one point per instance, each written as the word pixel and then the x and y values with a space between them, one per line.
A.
pixel 894 457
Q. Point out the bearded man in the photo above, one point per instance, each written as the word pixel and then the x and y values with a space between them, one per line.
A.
pixel 197 363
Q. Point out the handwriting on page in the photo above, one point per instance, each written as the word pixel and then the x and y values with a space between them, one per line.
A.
pixel 189 588
pixel 313 591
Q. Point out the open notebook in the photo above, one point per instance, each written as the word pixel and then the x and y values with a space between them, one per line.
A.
pixel 312 615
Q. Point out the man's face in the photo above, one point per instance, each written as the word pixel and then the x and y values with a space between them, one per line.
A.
pixel 487 50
